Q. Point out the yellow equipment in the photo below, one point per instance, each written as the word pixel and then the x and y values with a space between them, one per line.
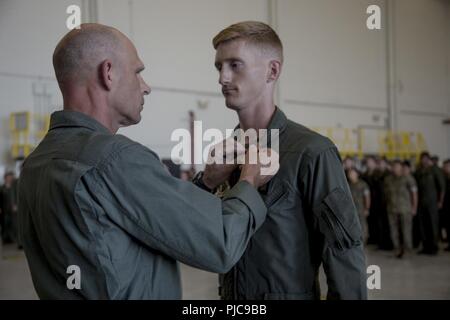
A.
pixel 27 130
pixel 392 145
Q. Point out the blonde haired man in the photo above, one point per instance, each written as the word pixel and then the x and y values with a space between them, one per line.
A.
pixel 312 218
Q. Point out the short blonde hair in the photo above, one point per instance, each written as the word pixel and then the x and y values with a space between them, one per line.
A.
pixel 254 32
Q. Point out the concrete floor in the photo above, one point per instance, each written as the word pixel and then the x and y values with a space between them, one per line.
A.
pixel 416 277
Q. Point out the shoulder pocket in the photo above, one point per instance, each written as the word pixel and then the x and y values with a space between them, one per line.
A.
pixel 338 220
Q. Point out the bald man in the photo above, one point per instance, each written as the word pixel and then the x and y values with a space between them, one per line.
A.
pixel 100 216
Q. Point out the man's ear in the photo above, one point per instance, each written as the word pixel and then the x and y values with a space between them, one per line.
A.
pixel 274 70
pixel 105 74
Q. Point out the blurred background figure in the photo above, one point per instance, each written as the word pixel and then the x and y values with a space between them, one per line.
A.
pixel 416 234
pixel 441 218
pixel 431 188
pixel 348 163
pixel 446 206
pixel 8 208
pixel 435 161
pixel 370 177
pixel 401 198
pixel 384 165
pixel 384 240
pixel 407 169
pixel 361 197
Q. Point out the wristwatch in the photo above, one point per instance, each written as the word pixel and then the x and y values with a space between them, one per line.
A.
pixel 198 181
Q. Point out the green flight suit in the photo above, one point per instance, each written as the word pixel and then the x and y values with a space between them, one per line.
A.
pixel 105 204
pixel 311 221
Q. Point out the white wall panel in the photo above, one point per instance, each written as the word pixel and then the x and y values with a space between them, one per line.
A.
pixel 335 71
pixel 174 38
pixel 422 52
pixel 29 32
pixel 436 134
pixel 331 56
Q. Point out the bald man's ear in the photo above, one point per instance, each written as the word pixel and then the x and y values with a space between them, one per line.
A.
pixel 106 75
pixel 274 71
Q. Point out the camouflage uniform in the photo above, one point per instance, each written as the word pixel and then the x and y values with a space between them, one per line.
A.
pixel 359 190
pixel 399 207
pixel 430 184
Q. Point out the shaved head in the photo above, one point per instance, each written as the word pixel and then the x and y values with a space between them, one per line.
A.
pixel 81 51
pixel 99 73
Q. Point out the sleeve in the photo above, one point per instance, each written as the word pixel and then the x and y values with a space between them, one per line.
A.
pixel 440 179
pixel 16 192
pixel 335 219
pixel 412 185
pixel 366 189
pixel 386 188
pixel 176 217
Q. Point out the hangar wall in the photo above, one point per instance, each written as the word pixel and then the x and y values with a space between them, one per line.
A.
pixel 337 72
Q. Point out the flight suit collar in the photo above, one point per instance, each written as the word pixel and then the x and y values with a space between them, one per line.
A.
pixel 64 119
pixel 278 121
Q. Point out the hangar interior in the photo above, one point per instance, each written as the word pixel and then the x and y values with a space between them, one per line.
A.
pixel 382 92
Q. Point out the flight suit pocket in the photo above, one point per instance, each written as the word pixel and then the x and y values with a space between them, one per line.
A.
pixel 338 220
pixel 273 194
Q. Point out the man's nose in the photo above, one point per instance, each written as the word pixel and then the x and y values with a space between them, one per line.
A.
pixel 224 76
pixel 146 88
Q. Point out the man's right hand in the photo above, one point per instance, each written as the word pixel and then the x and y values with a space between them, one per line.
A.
pixel 217 171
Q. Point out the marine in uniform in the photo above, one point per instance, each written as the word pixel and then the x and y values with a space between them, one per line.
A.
pixel 311 219
pixel 431 187
pixel 401 198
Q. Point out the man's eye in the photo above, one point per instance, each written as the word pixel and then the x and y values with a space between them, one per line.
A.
pixel 235 65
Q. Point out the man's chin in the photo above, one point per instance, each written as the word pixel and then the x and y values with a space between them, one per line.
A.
pixel 135 120
pixel 231 105
pixel 138 119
